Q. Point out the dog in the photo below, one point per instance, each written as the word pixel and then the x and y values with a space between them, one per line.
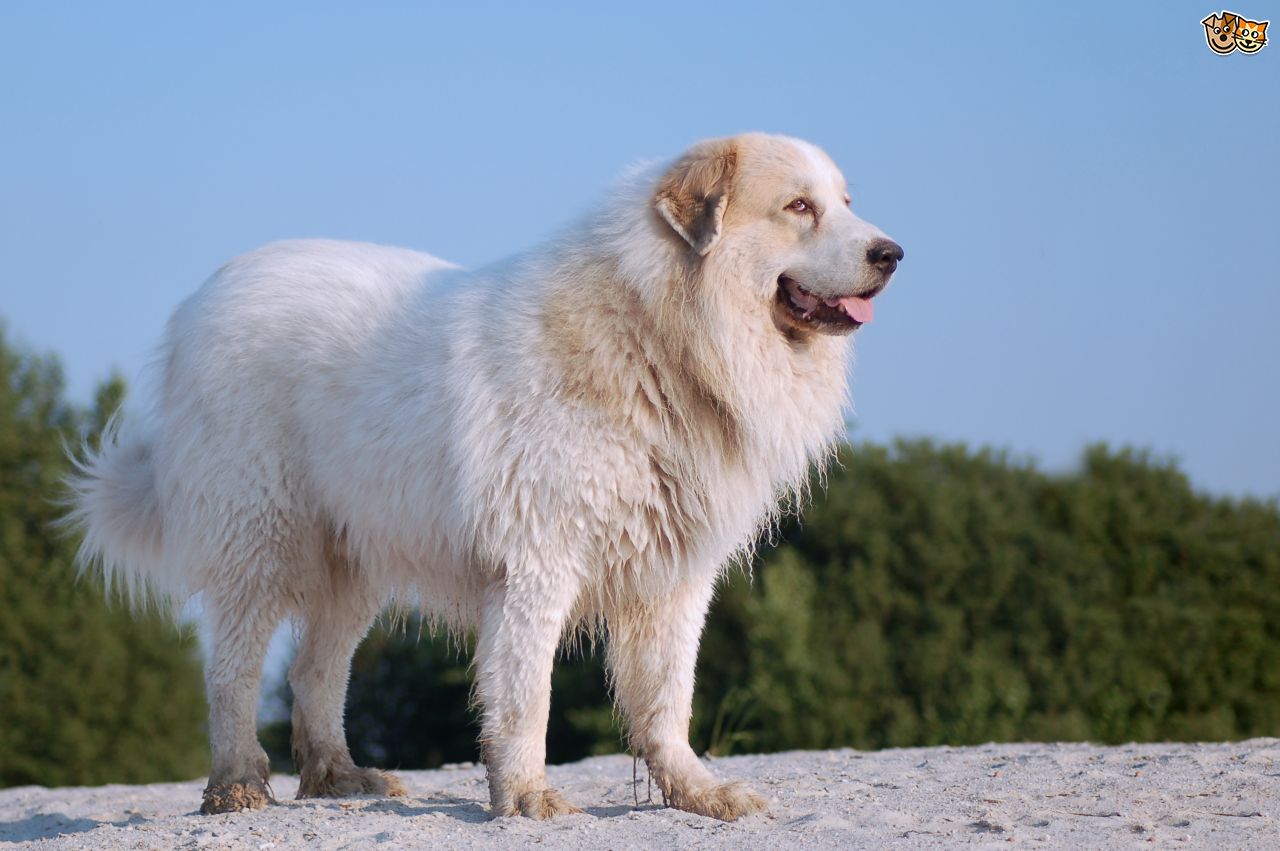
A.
pixel 1220 32
pixel 584 436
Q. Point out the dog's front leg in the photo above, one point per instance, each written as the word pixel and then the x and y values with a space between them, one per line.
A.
pixel 520 627
pixel 653 647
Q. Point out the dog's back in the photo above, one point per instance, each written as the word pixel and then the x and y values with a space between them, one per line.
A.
pixel 256 366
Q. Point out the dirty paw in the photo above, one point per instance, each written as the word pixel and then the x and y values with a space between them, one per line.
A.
pixel 234 797
pixel 545 804
pixel 727 802
pixel 383 783
pixel 341 783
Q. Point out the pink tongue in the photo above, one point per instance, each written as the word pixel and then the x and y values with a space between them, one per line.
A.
pixel 859 309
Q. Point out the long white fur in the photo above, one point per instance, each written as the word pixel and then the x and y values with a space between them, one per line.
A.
pixel 341 425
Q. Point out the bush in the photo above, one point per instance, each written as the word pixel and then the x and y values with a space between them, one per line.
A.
pixel 937 595
pixel 88 694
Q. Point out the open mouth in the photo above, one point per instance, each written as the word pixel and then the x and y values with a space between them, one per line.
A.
pixel 832 315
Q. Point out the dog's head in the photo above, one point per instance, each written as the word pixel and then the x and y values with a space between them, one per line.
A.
pixel 777 211
pixel 1220 31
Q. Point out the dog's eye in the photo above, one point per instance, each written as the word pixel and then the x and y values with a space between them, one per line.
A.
pixel 848 202
pixel 800 205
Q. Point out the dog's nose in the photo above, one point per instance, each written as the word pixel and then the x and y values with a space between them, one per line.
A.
pixel 884 254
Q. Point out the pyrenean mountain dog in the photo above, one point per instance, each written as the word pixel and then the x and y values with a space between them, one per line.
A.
pixel 585 434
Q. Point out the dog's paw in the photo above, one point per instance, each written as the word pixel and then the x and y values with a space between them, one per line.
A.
pixel 234 797
pixel 727 802
pixel 544 804
pixel 385 783
pixel 344 782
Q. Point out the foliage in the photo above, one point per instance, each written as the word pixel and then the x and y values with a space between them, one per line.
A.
pixel 88 694
pixel 936 595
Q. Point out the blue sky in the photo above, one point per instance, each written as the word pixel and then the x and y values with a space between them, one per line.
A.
pixel 1087 196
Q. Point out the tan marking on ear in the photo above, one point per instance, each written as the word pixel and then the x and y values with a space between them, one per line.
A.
pixel 693 195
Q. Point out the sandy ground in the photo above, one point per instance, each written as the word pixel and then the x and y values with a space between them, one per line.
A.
pixel 1061 796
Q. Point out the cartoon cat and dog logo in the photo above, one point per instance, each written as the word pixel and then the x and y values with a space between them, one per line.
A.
pixel 1228 31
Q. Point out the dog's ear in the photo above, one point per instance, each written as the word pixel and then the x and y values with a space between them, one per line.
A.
pixel 693 194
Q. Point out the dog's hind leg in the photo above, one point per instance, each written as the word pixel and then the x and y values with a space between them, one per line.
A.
pixel 337 615
pixel 241 620
pixel 653 645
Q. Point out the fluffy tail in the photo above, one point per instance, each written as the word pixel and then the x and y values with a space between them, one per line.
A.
pixel 115 504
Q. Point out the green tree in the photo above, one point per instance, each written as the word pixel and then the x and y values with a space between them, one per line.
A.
pixel 88 694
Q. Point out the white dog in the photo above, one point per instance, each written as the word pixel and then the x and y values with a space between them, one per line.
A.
pixel 583 435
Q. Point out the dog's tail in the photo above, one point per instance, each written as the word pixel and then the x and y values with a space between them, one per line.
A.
pixel 114 503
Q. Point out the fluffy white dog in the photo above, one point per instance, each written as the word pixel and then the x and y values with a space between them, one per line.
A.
pixel 583 435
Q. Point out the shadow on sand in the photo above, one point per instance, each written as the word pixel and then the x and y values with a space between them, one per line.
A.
pixel 51 825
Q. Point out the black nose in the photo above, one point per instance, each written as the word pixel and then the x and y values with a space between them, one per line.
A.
pixel 884 254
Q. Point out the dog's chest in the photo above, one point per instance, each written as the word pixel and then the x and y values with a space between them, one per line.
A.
pixel 693 499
